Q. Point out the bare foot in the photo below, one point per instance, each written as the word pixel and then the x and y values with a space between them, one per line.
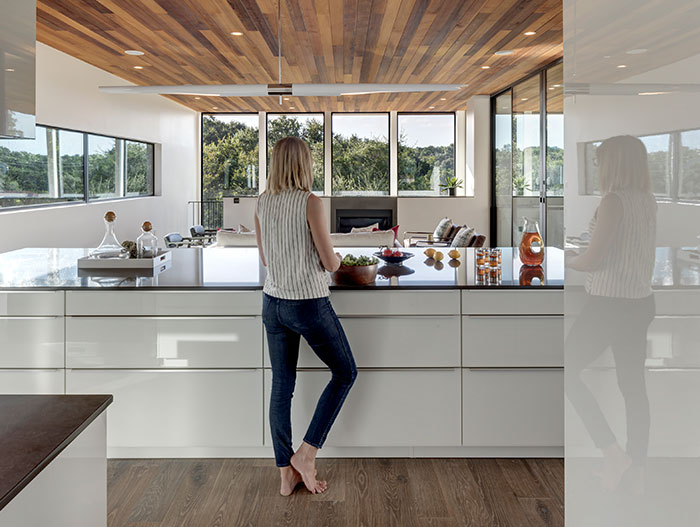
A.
pixel 304 462
pixel 615 464
pixel 290 479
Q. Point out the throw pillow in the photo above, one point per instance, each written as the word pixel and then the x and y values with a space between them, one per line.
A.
pixel 243 228
pixel 442 229
pixel 463 237
pixel 369 228
pixel 395 228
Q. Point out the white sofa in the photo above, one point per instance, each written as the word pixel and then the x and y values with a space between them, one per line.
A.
pixel 359 239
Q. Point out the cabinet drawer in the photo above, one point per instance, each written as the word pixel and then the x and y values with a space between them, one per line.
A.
pixel 163 342
pixel 383 408
pixel 380 303
pixel 34 382
pixel 31 303
pixel 513 340
pixel 31 342
pixel 513 302
pixel 513 407
pixel 385 342
pixel 188 303
pixel 161 408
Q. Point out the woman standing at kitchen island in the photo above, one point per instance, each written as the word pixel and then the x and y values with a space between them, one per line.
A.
pixel 296 248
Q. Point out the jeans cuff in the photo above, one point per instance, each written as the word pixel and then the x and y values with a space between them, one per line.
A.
pixel 313 443
pixel 282 465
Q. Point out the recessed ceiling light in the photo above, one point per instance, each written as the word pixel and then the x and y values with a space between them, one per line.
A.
pixel 443 98
pixel 9 69
pixel 291 107
pixel 286 98
pixel 556 85
pixel 214 107
pixel 622 65
pixel 529 33
pixel 138 67
pixel 551 87
pixel 485 67
pixel 504 52
pixel 236 33
pixel 431 107
pixel 637 51
pixel 606 56
pixel 524 99
pixel 197 98
pixel 134 52
pixel 653 93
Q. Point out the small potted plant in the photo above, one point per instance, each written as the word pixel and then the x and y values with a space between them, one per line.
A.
pixel 451 186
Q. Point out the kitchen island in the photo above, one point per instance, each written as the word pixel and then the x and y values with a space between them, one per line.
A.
pixel 447 366
pixel 53 468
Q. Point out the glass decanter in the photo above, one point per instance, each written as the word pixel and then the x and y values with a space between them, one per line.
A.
pixel 147 243
pixel 110 246
pixel 531 244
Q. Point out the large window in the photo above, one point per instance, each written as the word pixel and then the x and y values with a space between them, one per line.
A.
pixel 51 168
pixel 689 185
pixel 528 157
pixel 673 159
pixel 309 127
pixel 360 158
pixel 426 154
pixel 229 155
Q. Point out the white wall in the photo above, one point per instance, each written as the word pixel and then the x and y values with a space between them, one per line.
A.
pixel 68 97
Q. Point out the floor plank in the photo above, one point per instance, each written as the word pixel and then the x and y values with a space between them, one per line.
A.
pixel 362 493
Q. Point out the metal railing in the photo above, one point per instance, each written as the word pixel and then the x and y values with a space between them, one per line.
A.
pixel 208 213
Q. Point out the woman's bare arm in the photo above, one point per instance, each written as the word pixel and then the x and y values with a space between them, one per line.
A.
pixel 259 240
pixel 609 217
pixel 316 217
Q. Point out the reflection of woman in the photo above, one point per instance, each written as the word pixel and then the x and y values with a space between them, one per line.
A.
pixel 619 305
pixel 296 247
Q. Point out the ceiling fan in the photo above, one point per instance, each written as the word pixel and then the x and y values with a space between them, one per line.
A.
pixel 280 89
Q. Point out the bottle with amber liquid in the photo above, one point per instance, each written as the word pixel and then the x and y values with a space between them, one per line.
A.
pixel 531 244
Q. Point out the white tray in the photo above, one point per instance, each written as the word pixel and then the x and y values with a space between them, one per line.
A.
pixel 125 263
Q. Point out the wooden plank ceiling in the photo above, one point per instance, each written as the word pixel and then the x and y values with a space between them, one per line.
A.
pixel 323 41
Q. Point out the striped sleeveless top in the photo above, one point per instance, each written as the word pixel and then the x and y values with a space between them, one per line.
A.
pixel 294 270
pixel 628 266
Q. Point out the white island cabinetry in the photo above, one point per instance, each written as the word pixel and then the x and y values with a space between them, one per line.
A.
pixel 31 342
pixel 441 372
pixel 513 369
pixel 185 368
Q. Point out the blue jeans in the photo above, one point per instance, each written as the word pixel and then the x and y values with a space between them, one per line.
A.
pixel 314 319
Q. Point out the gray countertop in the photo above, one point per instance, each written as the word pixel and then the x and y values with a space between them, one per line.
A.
pixel 240 269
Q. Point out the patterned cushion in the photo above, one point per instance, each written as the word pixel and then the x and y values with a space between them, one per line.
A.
pixel 442 229
pixel 463 237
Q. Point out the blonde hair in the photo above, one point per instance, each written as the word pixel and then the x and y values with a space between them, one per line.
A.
pixel 623 165
pixel 290 166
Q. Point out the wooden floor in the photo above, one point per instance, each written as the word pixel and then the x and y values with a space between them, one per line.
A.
pixel 362 492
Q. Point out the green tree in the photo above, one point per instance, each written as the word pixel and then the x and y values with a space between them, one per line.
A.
pixel 424 167
pixel 360 164
pixel 311 131
pixel 229 159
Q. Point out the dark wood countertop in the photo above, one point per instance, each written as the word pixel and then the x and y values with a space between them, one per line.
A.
pixel 34 429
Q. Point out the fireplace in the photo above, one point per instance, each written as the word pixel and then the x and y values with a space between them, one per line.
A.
pixel 350 212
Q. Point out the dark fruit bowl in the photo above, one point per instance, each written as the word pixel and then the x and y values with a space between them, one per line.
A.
pixel 394 259
pixel 355 274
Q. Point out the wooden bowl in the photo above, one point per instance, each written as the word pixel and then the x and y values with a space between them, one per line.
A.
pixel 355 274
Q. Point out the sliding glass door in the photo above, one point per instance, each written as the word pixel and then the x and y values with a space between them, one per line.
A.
pixel 527 121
